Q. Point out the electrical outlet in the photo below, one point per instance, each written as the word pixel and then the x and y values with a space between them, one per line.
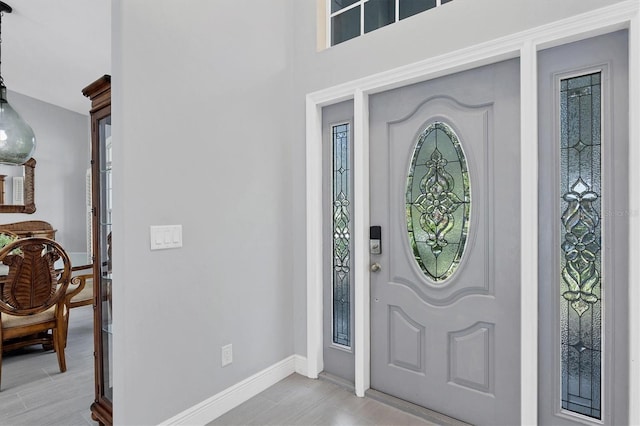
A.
pixel 227 354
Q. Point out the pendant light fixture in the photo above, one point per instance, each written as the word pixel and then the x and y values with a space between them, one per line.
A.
pixel 17 141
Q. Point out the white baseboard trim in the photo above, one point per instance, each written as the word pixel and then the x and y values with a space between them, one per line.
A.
pixel 301 365
pixel 218 404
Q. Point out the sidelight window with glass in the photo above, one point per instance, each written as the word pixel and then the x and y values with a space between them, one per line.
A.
pixel 351 18
pixel 341 228
pixel 581 280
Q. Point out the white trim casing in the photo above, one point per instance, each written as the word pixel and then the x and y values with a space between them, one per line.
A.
pixel 634 219
pixel 528 232
pixel 524 45
pixel 314 233
pixel 361 238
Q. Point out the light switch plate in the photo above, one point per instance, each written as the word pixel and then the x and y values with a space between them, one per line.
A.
pixel 165 236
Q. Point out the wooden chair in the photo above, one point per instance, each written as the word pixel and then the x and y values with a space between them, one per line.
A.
pixel 80 292
pixel 7 237
pixel 33 297
pixel 30 228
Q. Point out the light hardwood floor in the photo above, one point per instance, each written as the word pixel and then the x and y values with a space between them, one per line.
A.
pixel 34 392
pixel 299 401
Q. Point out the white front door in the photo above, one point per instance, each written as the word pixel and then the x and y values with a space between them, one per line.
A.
pixel 445 295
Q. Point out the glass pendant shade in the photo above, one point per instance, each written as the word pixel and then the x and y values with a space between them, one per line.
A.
pixel 17 141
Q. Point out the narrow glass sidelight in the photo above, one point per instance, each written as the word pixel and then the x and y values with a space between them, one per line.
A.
pixel 438 202
pixel 341 226
pixel 580 250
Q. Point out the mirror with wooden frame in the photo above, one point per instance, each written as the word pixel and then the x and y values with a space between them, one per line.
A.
pixel 17 187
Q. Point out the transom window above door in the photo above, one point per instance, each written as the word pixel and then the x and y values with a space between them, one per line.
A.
pixel 351 18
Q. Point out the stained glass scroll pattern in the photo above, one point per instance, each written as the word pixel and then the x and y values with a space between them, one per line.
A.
pixel 341 290
pixel 580 254
pixel 438 202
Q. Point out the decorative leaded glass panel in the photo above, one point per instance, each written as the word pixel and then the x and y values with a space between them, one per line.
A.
pixel 580 236
pixel 341 293
pixel 438 201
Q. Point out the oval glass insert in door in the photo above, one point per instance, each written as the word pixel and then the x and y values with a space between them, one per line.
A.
pixel 438 202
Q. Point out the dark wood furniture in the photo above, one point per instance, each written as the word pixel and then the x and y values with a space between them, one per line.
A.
pixel 29 205
pixel 80 291
pixel 30 228
pixel 33 296
pixel 99 92
pixel 2 189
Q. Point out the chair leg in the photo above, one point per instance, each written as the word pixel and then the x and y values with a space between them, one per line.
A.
pixel 66 326
pixel 48 345
pixel 58 346
pixel 65 334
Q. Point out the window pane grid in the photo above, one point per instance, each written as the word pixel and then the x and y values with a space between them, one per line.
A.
pixel 351 18
pixel 342 5
pixel 348 8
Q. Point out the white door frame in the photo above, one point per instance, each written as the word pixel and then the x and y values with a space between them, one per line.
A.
pixel 524 45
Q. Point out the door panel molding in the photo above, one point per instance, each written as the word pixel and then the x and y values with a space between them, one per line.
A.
pixel 474 340
pixel 398 320
pixel 444 108
pixel 524 45
pixel 446 99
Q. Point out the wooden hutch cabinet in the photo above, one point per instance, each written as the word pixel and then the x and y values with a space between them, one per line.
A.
pixel 100 94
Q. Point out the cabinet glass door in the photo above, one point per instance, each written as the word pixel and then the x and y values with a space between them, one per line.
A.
pixel 102 200
pixel 104 235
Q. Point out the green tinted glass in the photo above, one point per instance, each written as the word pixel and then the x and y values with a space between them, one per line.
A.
pixel 580 236
pixel 438 201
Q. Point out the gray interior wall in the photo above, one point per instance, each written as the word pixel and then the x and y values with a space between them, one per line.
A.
pixel 201 119
pixel 62 158
pixel 456 25
pixel 208 106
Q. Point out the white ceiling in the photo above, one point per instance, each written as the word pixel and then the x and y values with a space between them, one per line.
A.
pixel 52 49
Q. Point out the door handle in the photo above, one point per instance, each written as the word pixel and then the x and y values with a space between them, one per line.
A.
pixel 375 267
